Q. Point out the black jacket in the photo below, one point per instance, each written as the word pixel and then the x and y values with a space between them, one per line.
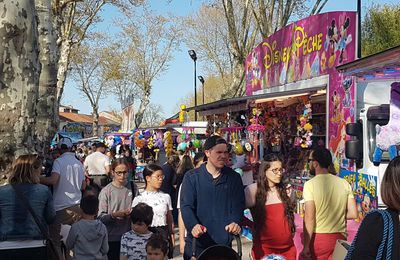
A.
pixel 370 235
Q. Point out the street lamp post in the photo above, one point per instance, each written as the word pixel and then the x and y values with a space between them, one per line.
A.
pixel 193 55
pixel 202 85
pixel 201 79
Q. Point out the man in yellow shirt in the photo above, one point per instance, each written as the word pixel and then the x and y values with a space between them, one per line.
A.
pixel 329 202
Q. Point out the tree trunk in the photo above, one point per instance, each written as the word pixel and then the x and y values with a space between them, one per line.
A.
pixel 19 78
pixel 236 88
pixel 47 107
pixel 63 63
pixel 95 121
pixel 144 102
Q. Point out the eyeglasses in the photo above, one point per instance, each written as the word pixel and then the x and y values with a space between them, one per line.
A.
pixel 121 173
pixel 310 160
pixel 160 177
pixel 276 171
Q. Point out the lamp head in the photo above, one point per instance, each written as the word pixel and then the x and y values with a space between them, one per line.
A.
pixel 201 79
pixel 192 55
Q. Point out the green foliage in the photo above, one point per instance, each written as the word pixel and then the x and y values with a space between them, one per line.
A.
pixel 380 29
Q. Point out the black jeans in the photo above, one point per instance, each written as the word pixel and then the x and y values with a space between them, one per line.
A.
pixel 99 180
pixel 34 253
pixel 114 250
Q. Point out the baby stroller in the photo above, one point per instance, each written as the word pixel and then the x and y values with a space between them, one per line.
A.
pixel 219 252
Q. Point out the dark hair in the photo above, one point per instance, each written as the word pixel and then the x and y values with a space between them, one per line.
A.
pixel 184 165
pixel 258 210
pixel 390 185
pixel 157 241
pixel 322 156
pixel 173 160
pixel 89 204
pixel 100 145
pixel 142 213
pixel 125 148
pixel 117 162
pixel 200 156
pixel 149 169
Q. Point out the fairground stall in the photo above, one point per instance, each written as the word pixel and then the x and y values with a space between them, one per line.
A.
pixel 228 118
pixel 298 95
pixel 299 99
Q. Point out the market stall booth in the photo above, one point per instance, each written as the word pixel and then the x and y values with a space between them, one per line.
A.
pixel 299 97
pixel 297 93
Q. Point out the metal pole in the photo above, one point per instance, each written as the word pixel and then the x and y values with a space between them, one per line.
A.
pixel 195 93
pixel 202 84
pixel 359 29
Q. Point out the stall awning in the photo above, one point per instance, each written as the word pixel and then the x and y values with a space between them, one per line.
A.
pixel 223 103
pixel 240 103
pixel 382 65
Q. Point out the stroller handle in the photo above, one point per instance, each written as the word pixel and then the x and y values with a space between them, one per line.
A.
pixel 238 243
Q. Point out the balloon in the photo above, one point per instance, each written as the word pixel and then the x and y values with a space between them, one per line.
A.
pixel 238 148
pixel 240 171
pixel 197 143
pixel 182 147
pixel 117 140
pixel 147 134
pixel 179 139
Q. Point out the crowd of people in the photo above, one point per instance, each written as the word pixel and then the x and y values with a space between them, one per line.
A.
pixel 95 207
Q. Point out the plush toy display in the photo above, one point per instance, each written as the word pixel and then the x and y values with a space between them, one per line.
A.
pixel 304 129
pixel 182 114
pixel 168 143
pixel 388 136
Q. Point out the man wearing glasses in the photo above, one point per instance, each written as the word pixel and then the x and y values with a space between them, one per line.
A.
pixel 212 200
pixel 329 202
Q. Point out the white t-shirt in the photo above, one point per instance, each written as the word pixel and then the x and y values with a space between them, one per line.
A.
pixel 96 162
pixel 159 201
pixel 178 202
pixel 67 192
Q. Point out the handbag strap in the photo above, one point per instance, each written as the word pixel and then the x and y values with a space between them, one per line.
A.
pixel 27 206
pixel 387 237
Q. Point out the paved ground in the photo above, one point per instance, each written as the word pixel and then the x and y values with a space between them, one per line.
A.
pixel 246 244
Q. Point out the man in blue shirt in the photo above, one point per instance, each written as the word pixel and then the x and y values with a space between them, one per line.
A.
pixel 212 200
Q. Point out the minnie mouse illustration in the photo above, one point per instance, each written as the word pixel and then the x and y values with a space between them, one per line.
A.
pixel 344 38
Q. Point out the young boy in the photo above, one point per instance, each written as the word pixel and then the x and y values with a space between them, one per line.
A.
pixel 88 237
pixel 157 248
pixel 133 243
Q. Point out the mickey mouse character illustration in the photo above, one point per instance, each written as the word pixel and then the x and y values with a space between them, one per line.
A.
pixel 344 38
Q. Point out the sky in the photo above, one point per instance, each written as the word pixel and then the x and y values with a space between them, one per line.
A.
pixel 178 81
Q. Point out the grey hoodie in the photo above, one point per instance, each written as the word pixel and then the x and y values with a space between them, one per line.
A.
pixel 88 240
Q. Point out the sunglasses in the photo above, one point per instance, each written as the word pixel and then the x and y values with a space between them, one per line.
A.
pixel 121 173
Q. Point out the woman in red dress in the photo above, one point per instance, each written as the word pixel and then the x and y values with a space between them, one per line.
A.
pixel 272 208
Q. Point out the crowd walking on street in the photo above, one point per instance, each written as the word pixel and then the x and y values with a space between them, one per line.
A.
pixel 94 210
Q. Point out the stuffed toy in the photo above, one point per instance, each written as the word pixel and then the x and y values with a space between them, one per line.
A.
pixel 168 143
pixel 388 136
pixel 182 114
pixel 304 129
